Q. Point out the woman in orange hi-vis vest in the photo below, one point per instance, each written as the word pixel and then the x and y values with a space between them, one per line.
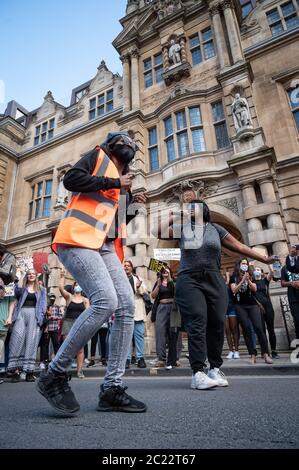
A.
pixel 89 243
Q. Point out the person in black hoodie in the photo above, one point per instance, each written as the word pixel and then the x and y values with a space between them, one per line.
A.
pixel 292 260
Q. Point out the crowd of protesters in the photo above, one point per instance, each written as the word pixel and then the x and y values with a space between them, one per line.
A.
pixel 31 319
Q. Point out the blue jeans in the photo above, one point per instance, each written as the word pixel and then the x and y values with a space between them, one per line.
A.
pixel 101 276
pixel 138 333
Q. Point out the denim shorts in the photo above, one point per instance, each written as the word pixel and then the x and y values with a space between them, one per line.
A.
pixel 231 312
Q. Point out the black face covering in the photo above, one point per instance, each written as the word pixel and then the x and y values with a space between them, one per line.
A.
pixel 124 153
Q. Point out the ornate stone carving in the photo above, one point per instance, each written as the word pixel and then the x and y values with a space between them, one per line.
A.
pixel 187 189
pixel 227 4
pixel 135 53
pixel 165 8
pixel 230 204
pixel 125 58
pixel 49 97
pixel 241 112
pixel 62 193
pixel 249 24
pixel 103 66
pixel 174 53
pixel 177 91
pixel 175 74
pixel 214 10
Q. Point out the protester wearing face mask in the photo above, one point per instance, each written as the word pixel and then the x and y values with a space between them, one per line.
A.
pixel 244 290
pixel 76 303
pixel 164 292
pixel 90 242
pixel 262 295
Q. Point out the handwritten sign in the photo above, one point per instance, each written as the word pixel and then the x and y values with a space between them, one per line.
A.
pixel 167 254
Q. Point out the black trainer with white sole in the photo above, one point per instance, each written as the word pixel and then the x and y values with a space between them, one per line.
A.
pixel 116 399
pixel 55 388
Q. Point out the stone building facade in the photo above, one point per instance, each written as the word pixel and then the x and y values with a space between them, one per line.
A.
pixel 210 91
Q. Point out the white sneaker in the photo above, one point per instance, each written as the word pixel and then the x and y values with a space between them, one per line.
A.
pixel 236 355
pixel 86 361
pixel 230 355
pixel 80 374
pixel 42 366
pixel 201 381
pixel 218 376
pixel 168 367
pixel 23 376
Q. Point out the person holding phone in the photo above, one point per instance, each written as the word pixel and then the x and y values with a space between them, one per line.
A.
pixel 90 242
pixel 163 292
pixel 244 289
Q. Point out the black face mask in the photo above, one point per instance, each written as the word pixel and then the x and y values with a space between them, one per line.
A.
pixel 124 153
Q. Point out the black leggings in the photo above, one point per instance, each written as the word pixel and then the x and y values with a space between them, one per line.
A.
pixel 45 343
pixel 268 321
pixel 294 307
pixel 102 335
pixel 253 313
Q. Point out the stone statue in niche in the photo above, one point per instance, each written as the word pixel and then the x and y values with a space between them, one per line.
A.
pixel 174 53
pixel 241 112
pixel 62 193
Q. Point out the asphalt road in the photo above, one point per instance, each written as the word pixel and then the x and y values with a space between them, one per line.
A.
pixel 253 412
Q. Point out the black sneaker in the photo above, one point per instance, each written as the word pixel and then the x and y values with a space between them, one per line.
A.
pixel 15 377
pixel 141 363
pixel 128 364
pixel 133 360
pixel 30 377
pixel 116 399
pixel 91 363
pixel 55 388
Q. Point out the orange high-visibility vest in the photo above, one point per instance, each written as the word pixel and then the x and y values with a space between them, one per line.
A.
pixel 89 216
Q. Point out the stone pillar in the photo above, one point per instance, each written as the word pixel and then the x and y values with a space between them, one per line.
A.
pixel 129 252
pixel 248 194
pixel 280 249
pixel 232 30
pixel 254 224
pixel 182 42
pixel 273 220
pixel 219 36
pixel 140 250
pixel 126 83
pixel 135 90
pixel 166 63
pixel 267 190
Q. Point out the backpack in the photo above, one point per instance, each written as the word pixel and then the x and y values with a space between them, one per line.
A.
pixel 8 268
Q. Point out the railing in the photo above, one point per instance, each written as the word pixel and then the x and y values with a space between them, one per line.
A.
pixel 287 319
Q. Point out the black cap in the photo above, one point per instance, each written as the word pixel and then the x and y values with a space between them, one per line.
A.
pixel 113 137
